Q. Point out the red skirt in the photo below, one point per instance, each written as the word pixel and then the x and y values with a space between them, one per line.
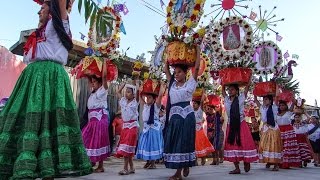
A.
pixel 128 140
pixel 305 147
pixel 247 152
pixel 290 152
pixel 203 145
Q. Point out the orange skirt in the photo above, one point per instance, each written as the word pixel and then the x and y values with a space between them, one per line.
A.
pixel 203 145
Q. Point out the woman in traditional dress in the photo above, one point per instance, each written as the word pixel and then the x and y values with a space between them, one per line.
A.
pixel 239 145
pixel 301 129
pixel 129 134
pixel 270 148
pixel 96 133
pixel 290 151
pixel 180 129
pixel 203 145
pixel 40 133
pixel 150 146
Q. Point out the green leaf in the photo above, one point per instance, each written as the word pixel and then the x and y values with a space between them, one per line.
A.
pixel 93 17
pixel 86 9
pixel 89 12
pixel 98 20
pixel 80 5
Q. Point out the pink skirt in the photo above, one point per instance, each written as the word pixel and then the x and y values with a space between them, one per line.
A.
pixel 305 147
pixel 290 152
pixel 128 139
pixel 247 152
pixel 96 135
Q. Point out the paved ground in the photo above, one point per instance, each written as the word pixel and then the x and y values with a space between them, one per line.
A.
pixel 207 172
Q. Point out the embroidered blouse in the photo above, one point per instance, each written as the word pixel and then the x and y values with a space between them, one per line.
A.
pixel 146 112
pixel 129 111
pixel 49 46
pixel 228 102
pixel 284 119
pixel 98 99
pixel 183 93
pixel 263 111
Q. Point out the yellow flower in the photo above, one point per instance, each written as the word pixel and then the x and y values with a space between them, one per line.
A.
pixel 145 75
pixel 202 32
pixel 179 29
pixel 171 27
pixel 199 1
pixel 195 12
pixel 169 8
pixel 138 65
pixel 188 23
pixel 169 20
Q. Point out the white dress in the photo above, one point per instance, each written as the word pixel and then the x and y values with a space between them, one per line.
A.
pixel 129 113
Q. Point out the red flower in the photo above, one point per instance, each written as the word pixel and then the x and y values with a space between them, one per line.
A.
pixel 170 3
pixel 193 17
pixel 197 7
pixel 196 35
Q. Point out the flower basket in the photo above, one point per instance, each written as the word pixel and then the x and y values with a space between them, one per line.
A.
pixel 235 75
pixel 178 52
pixel 265 88
pixel 286 96
pixel 197 95
pixel 213 100
pixel 150 86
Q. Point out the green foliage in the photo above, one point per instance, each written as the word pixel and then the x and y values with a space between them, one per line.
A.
pixel 96 15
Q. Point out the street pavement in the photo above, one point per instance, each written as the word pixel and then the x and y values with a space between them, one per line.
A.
pixel 207 172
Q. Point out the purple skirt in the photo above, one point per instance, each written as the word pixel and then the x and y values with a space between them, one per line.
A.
pixel 96 135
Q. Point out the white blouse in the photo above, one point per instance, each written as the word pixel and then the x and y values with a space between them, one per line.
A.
pixel 98 99
pixel 315 135
pixel 129 111
pixel 50 48
pixel 146 112
pixel 183 93
pixel 199 115
pixel 228 102
pixel 301 129
pixel 263 112
pixel 284 119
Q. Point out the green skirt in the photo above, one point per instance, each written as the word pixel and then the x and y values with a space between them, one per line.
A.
pixel 39 127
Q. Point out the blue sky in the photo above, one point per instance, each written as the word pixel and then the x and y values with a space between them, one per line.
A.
pixel 300 30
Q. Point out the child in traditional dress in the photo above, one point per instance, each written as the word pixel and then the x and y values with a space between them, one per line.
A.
pixel 129 134
pixel 301 129
pixel 270 148
pixel 96 133
pixel 117 124
pixel 290 151
pixel 314 137
pixel 239 145
pixel 150 146
pixel 203 145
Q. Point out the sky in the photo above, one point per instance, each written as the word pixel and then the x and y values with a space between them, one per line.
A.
pixel 300 30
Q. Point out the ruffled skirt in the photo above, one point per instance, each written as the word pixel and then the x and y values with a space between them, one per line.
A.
pixel 270 147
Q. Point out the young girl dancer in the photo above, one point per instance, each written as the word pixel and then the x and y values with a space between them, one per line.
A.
pixel 180 129
pixel 239 145
pixel 96 134
pixel 301 129
pixel 270 148
pixel 203 145
pixel 150 147
pixel 290 151
pixel 128 138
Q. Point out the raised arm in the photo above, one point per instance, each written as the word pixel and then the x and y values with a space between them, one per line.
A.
pixel 119 92
pixel 104 75
pixel 63 9
pixel 137 90
pixel 197 64
pixel 257 102
pixel 167 71
pixel 141 100
pixel 224 93
pixel 161 92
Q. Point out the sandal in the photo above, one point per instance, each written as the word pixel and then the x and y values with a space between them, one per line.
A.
pixel 247 167
pixel 275 168
pixel 124 172
pixel 186 172
pixel 236 171
pixel 213 163
pixel 146 165
pixel 268 165
pixel 152 167
pixel 175 178
pixel 305 163
pixel 132 171
pixel 203 162
pixel 99 170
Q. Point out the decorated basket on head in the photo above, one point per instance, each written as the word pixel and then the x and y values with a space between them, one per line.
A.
pixel 213 100
pixel 265 88
pixel 182 17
